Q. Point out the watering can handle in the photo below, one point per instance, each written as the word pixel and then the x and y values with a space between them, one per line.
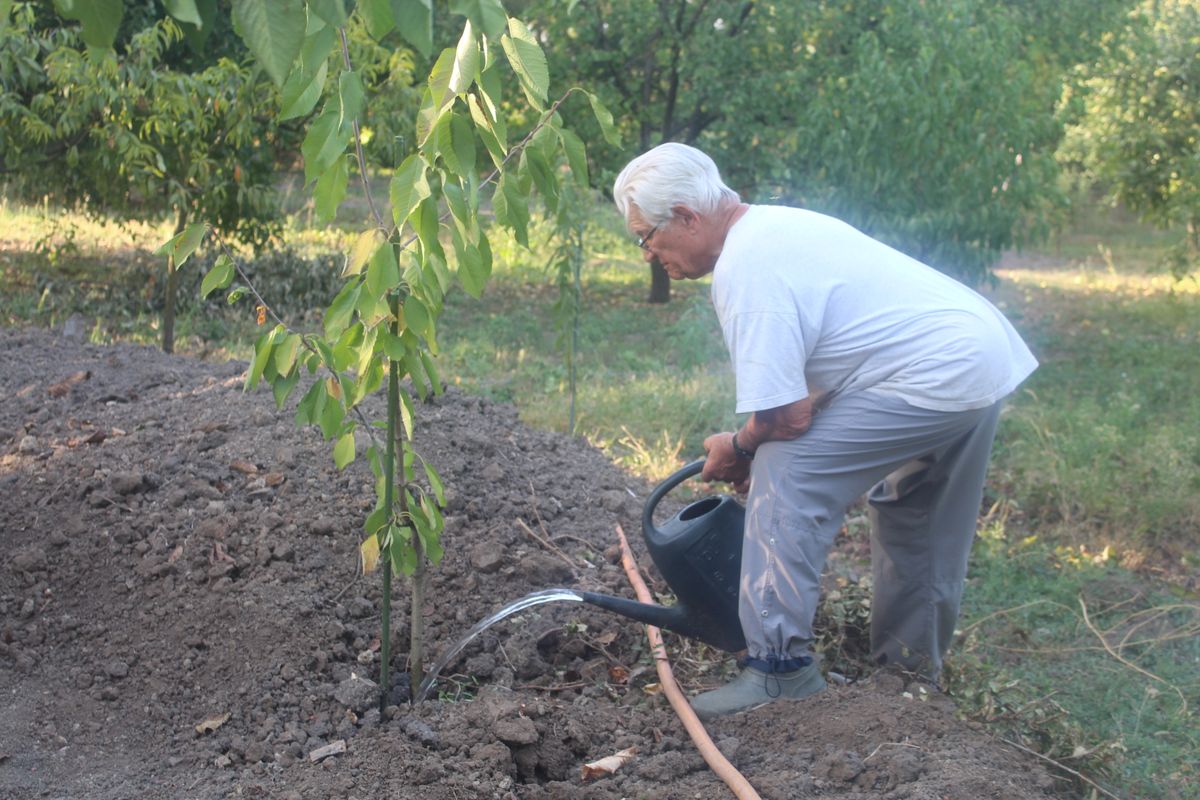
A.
pixel 660 491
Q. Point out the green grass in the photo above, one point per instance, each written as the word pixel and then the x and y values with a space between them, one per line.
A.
pixel 1068 654
pixel 1096 468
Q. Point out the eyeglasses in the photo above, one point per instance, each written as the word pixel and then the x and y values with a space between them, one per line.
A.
pixel 644 242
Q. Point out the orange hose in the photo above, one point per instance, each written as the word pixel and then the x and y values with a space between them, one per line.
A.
pixel 717 762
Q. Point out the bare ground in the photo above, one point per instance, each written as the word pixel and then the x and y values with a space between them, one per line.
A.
pixel 181 617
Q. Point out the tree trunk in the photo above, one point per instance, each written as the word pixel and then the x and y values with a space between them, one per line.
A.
pixel 168 321
pixel 660 284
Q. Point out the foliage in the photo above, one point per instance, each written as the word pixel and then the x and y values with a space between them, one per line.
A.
pixel 930 125
pixel 125 132
pixel 1140 136
pixel 382 324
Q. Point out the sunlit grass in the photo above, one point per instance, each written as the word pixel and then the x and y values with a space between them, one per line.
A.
pixel 1106 435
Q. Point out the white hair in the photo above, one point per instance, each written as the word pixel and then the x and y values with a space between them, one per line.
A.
pixel 669 175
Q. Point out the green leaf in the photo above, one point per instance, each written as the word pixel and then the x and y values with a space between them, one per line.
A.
pixel 304 85
pixel 337 316
pixel 534 163
pixel 282 387
pixel 437 96
pixel 527 60
pixel 383 273
pixel 416 316
pixel 332 415
pixel 180 248
pixel 605 118
pixel 472 271
pixel 184 11
pixel 351 97
pixel 393 346
pixel 330 190
pixel 100 19
pixel 466 61
pixel 409 186
pixel 486 15
pixel 220 276
pixel 301 92
pixel 440 144
pixel 378 16
pixel 435 482
pixel 332 11
pixel 285 353
pixel 435 381
pixel 415 20
pixel 365 246
pixel 487 132
pixel 416 372
pixel 262 354
pixel 576 155
pixel 343 451
pixel 462 138
pixel 376 520
pixel 273 31
pixel 511 206
pixel 324 143
pixel 308 411
pixel 407 413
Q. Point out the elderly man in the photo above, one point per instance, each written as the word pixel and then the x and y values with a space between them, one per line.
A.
pixel 861 369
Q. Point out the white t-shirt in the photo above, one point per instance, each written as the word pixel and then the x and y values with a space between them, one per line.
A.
pixel 808 304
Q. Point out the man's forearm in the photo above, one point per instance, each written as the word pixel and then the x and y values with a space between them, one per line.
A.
pixel 775 425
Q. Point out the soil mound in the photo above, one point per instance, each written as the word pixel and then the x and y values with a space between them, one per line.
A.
pixel 181 616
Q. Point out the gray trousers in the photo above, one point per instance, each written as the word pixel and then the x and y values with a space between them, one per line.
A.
pixel 925 472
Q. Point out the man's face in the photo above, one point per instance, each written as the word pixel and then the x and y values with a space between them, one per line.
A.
pixel 676 244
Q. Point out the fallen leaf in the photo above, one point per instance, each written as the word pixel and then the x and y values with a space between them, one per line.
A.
pixel 175 554
pixel 274 478
pixel 618 674
pixel 607 638
pixel 652 688
pixel 210 724
pixel 244 467
pixel 62 387
pixel 607 765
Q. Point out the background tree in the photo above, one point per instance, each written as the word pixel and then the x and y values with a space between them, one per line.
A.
pixel 930 125
pixel 142 128
pixel 667 69
pixel 1139 136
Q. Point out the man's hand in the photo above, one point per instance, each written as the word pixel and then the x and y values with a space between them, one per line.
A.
pixel 723 463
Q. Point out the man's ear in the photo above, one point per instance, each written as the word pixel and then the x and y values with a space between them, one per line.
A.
pixel 687 216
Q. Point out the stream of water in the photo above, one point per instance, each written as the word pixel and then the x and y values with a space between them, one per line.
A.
pixel 528 601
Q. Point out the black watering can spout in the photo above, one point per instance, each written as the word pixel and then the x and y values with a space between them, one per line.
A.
pixel 699 553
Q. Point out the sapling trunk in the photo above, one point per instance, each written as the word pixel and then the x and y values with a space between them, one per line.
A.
pixel 172 289
pixel 416 625
pixel 389 497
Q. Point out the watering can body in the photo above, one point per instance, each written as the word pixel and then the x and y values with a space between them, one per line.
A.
pixel 698 551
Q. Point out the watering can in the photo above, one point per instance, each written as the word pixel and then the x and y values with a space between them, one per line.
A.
pixel 699 553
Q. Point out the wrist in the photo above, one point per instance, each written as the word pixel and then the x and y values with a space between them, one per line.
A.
pixel 741 452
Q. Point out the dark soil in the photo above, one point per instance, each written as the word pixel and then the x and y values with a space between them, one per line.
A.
pixel 176 553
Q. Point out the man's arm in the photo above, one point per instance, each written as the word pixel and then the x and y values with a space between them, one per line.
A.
pixel 783 423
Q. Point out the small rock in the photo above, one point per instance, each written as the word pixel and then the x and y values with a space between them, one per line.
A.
pixel 515 731
pixel 487 557
pixel 116 669
pixel 29 559
pixel 126 482
pixel 417 729
pixel 324 526
pixel 493 472
pixel 28 445
pixel 357 694
pixel 223 761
